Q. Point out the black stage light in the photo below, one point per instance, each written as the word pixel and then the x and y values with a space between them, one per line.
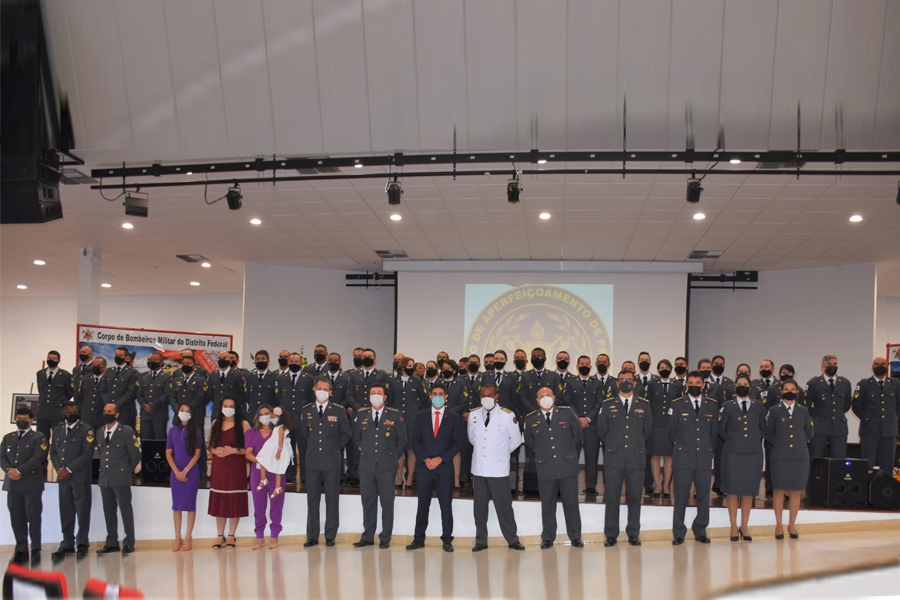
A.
pixel 513 189
pixel 693 190
pixel 394 191
pixel 137 204
pixel 234 197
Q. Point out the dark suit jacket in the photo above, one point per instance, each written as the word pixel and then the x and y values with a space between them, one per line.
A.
pixel 121 388
pixel 52 396
pixel 445 445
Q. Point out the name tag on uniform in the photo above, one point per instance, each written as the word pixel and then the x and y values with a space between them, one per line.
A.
pixel 638 411
pixel 389 423
pixel 562 422
pixel 332 418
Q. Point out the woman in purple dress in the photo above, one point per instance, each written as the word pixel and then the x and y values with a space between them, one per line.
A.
pixel 254 440
pixel 183 444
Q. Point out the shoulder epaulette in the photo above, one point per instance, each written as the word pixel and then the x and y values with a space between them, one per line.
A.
pixel 531 413
pixel 505 409
pixel 391 409
pixel 307 405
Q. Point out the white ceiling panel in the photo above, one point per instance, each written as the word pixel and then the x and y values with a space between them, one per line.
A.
pixel 887 115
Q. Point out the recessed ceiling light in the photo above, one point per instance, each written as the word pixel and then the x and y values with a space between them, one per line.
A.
pixel 255 222
pixel 395 217
pixel 358 165
pixel 206 265
pixel 195 283
pixel 542 161
pixel 856 218
pixel 39 262
pixel 735 161
pixel 22 287
pixel 699 216
pixel 106 285
pixel 544 216
pixel 127 226
pixel 190 173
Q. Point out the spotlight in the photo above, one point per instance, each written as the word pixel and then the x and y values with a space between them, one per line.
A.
pixel 693 190
pixel 137 204
pixel 513 188
pixel 234 197
pixel 394 191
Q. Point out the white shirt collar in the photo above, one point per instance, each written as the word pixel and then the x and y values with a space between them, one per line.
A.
pixel 404 377
pixel 439 411
pixel 68 426
pixel 648 375
pixel 697 399
pixel 110 431
pixel 324 406
pixel 377 410
pixel 225 372
pixel 52 371
pixel 623 399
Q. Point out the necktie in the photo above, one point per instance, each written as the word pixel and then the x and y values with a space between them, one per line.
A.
pixel 790 410
pixel 767 383
pixel 626 406
pixel 696 407
pixel 366 378
pixel 666 387
pixel 404 383
pixel 318 369
pixel 118 369
pixel 152 376
pixel 108 436
pixel 548 417
pixel 744 406
pixel 706 386
pixel 21 434
pixel 333 380
pixel 261 377
pixel 584 383
pixel 831 385
pixel 437 422
pixel 881 384
pixel 376 418
pixel 487 420
pixel 498 379
pixel 294 379
pixel 645 381
pixel 321 412
pixel 49 377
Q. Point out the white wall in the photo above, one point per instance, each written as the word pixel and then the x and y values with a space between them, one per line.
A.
pixel 29 328
pixel 288 306
pixel 887 324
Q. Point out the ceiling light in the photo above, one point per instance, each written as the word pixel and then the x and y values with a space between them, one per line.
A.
pixel 358 165
pixel 206 265
pixel 395 217
pixel 255 222
pixel 856 218
pixel 394 191
pixel 699 216
pixel 693 190
pixel 39 262
pixel 544 216
pixel 234 197
pixel 21 287
pixel 542 161
pixel 195 283
pixel 189 173
pixel 735 161
pixel 127 226
pixel 106 285
pixel 513 189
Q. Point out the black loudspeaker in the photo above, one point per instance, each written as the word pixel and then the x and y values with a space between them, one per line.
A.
pixel 839 483
pixel 154 467
pixel 529 477
pixel 884 491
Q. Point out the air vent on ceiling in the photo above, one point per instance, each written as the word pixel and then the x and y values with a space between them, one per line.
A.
pixel 75 177
pixel 780 165
pixel 391 254
pixel 191 258
pixel 701 254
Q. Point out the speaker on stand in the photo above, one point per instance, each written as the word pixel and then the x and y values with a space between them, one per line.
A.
pixel 839 482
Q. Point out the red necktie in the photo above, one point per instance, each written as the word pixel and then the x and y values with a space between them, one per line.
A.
pixel 437 422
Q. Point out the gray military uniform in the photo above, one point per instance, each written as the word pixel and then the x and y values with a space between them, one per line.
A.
pixel 694 435
pixel 828 410
pixel 624 433
pixel 121 388
pixel 877 403
pixel 556 446
pixel 27 454
pixel 789 431
pixel 53 392
pixel 380 446
pixel 325 435
pixel 742 456
pixel 72 448
pixel 153 389
pixel 261 391
pixel 91 397
pixel 191 390
pixel 118 459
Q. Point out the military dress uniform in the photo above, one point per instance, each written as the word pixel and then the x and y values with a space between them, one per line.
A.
pixel 80 371
pixel 72 448
pixel 339 382
pixel 314 369
pixel 120 454
pixel 759 388
pixel 295 390
pixel 624 425
pixel 507 384
pixel 121 389
pixel 556 442
pixel 693 432
pixel 583 396
pixel 828 403
pixel 225 384
pixel 153 389
pixel 608 387
pixel 789 430
pixel 409 397
pixel 742 432
pixel 529 384
pixel 25 451
pixel 642 382
pixel 357 399
pixel 381 438
pixel 772 397
pixel 877 402
pixel 91 397
pixel 661 394
pixel 326 431
pixel 262 388
pixel 55 388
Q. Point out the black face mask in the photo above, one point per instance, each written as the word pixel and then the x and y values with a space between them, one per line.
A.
pixel 96 369
pixel 187 369
pixel 409 371
pixel 498 366
pixel 109 419
pixel 562 365
pixel 602 369
pixel 233 364
pixel 282 361
pixel 879 371
pixel 625 386
pixel 473 367
pixel 334 367
pixel 520 363
pixel 152 365
pixel 694 390
pixel 742 390
pixel 23 424
pixel 786 376
pixel 319 357
pixel 831 371
pixel 766 373
pixel 705 374
pixel 789 395
pixel 584 370
pixel 294 368
pixel 537 362
pixel 644 365
pixel 52 363
pixel 368 361
pixel 718 369
pixel 73 418
pixel 262 365
pixel 447 374
pixel 223 363
pixel 680 369
pixel 431 373
pixel 120 360
pixel 84 357
pixel 357 361
pixel 664 373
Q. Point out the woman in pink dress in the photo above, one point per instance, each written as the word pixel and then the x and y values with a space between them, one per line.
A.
pixel 228 477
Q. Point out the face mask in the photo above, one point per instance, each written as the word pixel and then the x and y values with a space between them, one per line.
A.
pixel 584 370
pixel 233 364
pixel 265 420
pixel 742 390
pixel 562 365
pixel 785 376
pixel 438 401
pixel 110 419
pixel 789 395
pixel 84 357
pixel 831 371
pixel 52 363
pixel 228 412
pixel 23 424
pixel 879 371
pixel 368 362
pixel 694 390
pixel 322 395
pixel 319 357
pixel 488 403
pixel 376 400
pixel 680 369
pixel 431 373
pixel 718 369
pixel 705 374
pixel 224 363
pixel 447 374
pixel 498 366
pixel 766 373
pixel 282 361
pixel 184 416
pixel 334 367
pixel 664 373
pixel 357 361
pixel 538 362
pixel 96 369
pixel 187 369
pixel 520 363
pixel 546 402
pixel 120 360
pixel 152 365
pixel 625 386
pixel 294 368
pixel 409 371
pixel 262 365
pixel 273 421
pixel 644 365
pixel 473 367
pixel 73 418
pixel 602 369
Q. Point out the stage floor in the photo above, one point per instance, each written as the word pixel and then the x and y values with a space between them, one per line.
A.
pixel 656 570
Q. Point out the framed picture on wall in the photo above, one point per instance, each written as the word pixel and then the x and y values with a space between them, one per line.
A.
pixel 29 400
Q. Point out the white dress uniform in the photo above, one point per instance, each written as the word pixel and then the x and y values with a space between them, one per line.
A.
pixel 494 436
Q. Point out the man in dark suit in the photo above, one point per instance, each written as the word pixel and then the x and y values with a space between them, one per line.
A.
pixel 319 366
pixel 262 385
pixel 83 368
pixel 153 398
pixel 583 396
pixel 121 387
pixel 436 439
pixel 876 401
pixel 91 396
pixel 225 381
pixel 22 456
pixel 71 452
pixel 120 454
pixel 188 386
pixel 55 387
pixel 829 396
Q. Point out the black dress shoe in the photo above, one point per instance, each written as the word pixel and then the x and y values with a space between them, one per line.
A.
pixel 545 544
pixel 82 551
pixel 590 490
pixel 108 549
pixel 127 549
pixel 363 544
pixel 479 547
pixel 311 543
pixel 60 555
pixel 678 541
pixel 416 544
pixel 794 536
pixel 577 544
pixel 777 537
pixel 634 540
pixel 610 542
pixel 19 558
pixel 35 557
pixel 329 543
pixel 384 545
pixel 447 547
pixel 516 546
pixel 702 539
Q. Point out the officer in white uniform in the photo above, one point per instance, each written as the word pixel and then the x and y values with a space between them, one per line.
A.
pixel 494 433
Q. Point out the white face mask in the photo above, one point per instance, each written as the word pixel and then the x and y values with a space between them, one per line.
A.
pixel 228 412
pixel 322 395
pixel 184 416
pixel 376 400
pixel 265 419
pixel 488 403
pixel 546 402
pixel 273 421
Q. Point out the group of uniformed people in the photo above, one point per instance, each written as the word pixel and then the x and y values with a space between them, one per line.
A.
pixel 659 431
